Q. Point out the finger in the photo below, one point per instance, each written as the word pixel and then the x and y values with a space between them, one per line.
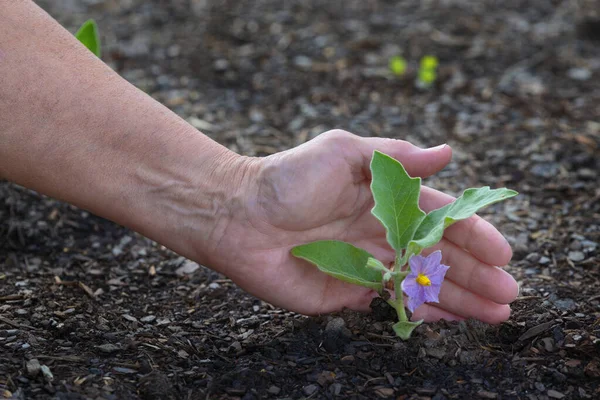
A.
pixel 416 161
pixel 474 234
pixel 466 304
pixel 483 279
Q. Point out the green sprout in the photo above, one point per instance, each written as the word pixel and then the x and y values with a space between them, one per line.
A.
pixel 427 71
pixel 88 35
pixel 398 65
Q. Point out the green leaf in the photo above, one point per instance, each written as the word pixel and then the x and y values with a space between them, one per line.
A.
pixel 431 229
pixel 88 35
pixel 396 197
pixel 404 329
pixel 342 261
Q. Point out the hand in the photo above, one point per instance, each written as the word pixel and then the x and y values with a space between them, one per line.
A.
pixel 320 190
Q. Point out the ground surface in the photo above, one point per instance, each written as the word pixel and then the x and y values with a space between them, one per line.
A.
pixel 114 316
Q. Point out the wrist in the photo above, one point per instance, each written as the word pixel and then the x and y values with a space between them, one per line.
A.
pixel 186 201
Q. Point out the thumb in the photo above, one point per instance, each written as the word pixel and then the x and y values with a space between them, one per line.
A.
pixel 417 161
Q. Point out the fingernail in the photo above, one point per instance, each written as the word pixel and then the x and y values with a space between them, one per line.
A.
pixel 437 148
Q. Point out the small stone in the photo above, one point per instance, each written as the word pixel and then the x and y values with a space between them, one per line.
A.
pixel 532 257
pixel 108 348
pixel 148 318
pixel 47 373
pixel 274 390
pixel 188 268
pixel 310 389
pixel 21 312
pixel 576 256
pixel 302 62
pixel 484 394
pixel 545 170
pixel 335 389
pixel 237 346
pixel 347 359
pixel 122 370
pixel 221 65
pixel 540 386
pixel 129 318
pixel 544 260
pixel 579 74
pixel 555 394
pixel 33 367
pixel 565 304
pixel 384 392
pixel 336 335
pixel 436 352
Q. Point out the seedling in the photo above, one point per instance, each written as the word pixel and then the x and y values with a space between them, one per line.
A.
pixel 88 35
pixel 427 71
pixel 409 230
pixel 398 65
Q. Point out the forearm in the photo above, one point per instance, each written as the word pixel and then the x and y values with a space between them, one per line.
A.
pixel 71 128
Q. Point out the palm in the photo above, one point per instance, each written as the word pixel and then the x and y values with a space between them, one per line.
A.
pixel 314 192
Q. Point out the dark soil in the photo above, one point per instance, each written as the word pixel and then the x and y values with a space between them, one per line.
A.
pixel 111 315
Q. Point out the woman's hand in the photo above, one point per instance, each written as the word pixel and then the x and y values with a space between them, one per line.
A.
pixel 320 190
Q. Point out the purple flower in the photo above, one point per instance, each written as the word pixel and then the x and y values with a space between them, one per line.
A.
pixel 424 281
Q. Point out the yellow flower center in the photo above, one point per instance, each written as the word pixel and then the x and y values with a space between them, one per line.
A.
pixel 423 280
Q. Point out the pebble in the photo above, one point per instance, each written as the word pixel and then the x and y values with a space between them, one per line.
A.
pixel 576 256
pixel 555 394
pixel 544 260
pixel 33 367
pixel 579 74
pixel 129 318
pixel 47 373
pixel 310 389
pixel 545 170
pixel 565 304
pixel 302 62
pixel 274 390
pixel 221 65
pixel 108 348
pixel 335 389
pixel 438 353
pixel 384 392
pixel 484 394
pixel 148 318
pixel 336 335
pixel 188 268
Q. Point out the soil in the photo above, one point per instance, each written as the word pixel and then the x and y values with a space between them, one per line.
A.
pixel 90 310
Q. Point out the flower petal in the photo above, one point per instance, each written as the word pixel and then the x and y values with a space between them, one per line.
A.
pixel 431 262
pixel 417 264
pixel 431 293
pixel 410 286
pixel 414 302
pixel 438 277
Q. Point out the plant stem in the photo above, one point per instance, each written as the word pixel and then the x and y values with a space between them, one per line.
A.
pixel 399 302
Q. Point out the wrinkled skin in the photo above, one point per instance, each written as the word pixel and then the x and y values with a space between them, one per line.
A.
pixel 320 190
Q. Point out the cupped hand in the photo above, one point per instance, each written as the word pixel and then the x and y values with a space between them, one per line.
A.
pixel 320 190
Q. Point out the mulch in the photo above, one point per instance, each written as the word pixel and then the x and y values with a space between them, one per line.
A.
pixel 90 310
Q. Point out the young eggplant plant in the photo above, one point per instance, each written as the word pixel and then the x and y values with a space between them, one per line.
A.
pixel 409 230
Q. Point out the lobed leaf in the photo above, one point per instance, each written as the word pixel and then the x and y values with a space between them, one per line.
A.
pixel 396 197
pixel 88 35
pixel 342 261
pixel 431 229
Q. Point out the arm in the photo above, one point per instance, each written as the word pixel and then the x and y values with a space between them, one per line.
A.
pixel 73 129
